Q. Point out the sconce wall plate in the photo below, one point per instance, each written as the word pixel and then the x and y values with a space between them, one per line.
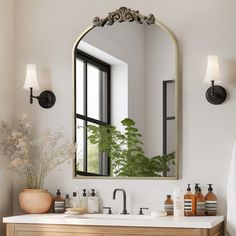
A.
pixel 46 99
pixel 219 95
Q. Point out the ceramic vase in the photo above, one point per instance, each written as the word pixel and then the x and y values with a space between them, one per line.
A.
pixel 35 201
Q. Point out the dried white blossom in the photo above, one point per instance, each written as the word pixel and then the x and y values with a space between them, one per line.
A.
pixel 24 116
pixel 17 162
pixel 29 157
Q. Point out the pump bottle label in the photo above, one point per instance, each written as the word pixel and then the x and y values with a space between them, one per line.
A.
pixel 59 206
pixel 211 205
pixel 200 208
pixel 168 208
pixel 188 205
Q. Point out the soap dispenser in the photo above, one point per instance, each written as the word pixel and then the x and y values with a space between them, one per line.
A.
pixel 93 203
pixel 84 201
pixel 211 202
pixel 169 206
pixel 196 188
pixel 200 203
pixel 67 202
pixel 195 194
pixel 189 203
pixel 75 200
pixel 59 203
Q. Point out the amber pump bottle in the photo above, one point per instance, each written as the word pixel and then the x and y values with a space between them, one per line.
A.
pixel 200 203
pixel 211 202
pixel 189 203
pixel 195 194
pixel 169 206
pixel 59 203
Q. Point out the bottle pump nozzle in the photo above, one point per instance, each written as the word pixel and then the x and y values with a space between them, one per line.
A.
pixel 188 189
pixel 210 189
pixel 93 192
pixel 196 187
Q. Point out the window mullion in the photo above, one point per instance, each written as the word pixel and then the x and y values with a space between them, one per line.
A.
pixel 100 96
pixel 100 118
pixel 85 113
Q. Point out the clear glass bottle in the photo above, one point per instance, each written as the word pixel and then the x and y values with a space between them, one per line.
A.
pixel 84 201
pixel 211 202
pixel 75 200
pixel 200 203
pixel 93 203
pixel 189 203
pixel 169 206
pixel 67 201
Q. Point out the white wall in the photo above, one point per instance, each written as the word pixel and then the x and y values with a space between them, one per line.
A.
pixel 45 32
pixel 119 94
pixel 118 42
pixel 160 66
pixel 6 98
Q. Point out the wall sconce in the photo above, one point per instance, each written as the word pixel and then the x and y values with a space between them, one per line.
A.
pixel 215 94
pixel 47 98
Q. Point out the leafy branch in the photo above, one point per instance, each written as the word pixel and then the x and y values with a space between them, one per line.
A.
pixel 126 151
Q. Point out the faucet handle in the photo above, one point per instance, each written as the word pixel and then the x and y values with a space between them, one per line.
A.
pixel 109 210
pixel 141 210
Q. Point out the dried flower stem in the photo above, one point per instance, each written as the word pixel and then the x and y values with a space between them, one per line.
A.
pixel 32 159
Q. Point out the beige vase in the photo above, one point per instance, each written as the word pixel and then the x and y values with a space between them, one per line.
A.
pixel 35 201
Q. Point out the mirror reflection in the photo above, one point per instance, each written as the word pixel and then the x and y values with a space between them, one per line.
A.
pixel 125 96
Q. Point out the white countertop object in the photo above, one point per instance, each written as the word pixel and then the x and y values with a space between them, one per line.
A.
pixel 117 220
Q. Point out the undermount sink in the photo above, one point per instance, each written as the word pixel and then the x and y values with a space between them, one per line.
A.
pixel 111 216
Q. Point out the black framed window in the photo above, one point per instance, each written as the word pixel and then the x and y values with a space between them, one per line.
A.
pixel 92 107
pixel 167 118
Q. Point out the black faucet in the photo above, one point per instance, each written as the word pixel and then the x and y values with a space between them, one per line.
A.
pixel 124 212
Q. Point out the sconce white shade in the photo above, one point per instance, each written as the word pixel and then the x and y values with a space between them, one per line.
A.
pixel 212 72
pixel 31 80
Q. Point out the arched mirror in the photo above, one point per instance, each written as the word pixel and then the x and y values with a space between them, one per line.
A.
pixel 126 98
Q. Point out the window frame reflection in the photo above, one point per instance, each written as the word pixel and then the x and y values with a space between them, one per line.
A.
pixel 104 111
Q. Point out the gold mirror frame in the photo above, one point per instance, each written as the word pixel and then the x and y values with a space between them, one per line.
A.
pixel 121 15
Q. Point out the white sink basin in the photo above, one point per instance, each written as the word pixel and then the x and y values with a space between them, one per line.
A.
pixel 117 220
pixel 111 217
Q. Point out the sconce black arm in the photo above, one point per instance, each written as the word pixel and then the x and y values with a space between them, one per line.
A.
pixel 46 99
pixel 216 94
pixel 213 89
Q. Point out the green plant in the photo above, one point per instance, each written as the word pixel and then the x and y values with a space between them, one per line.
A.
pixel 126 151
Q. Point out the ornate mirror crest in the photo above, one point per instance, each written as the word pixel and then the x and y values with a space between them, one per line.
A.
pixel 124 14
